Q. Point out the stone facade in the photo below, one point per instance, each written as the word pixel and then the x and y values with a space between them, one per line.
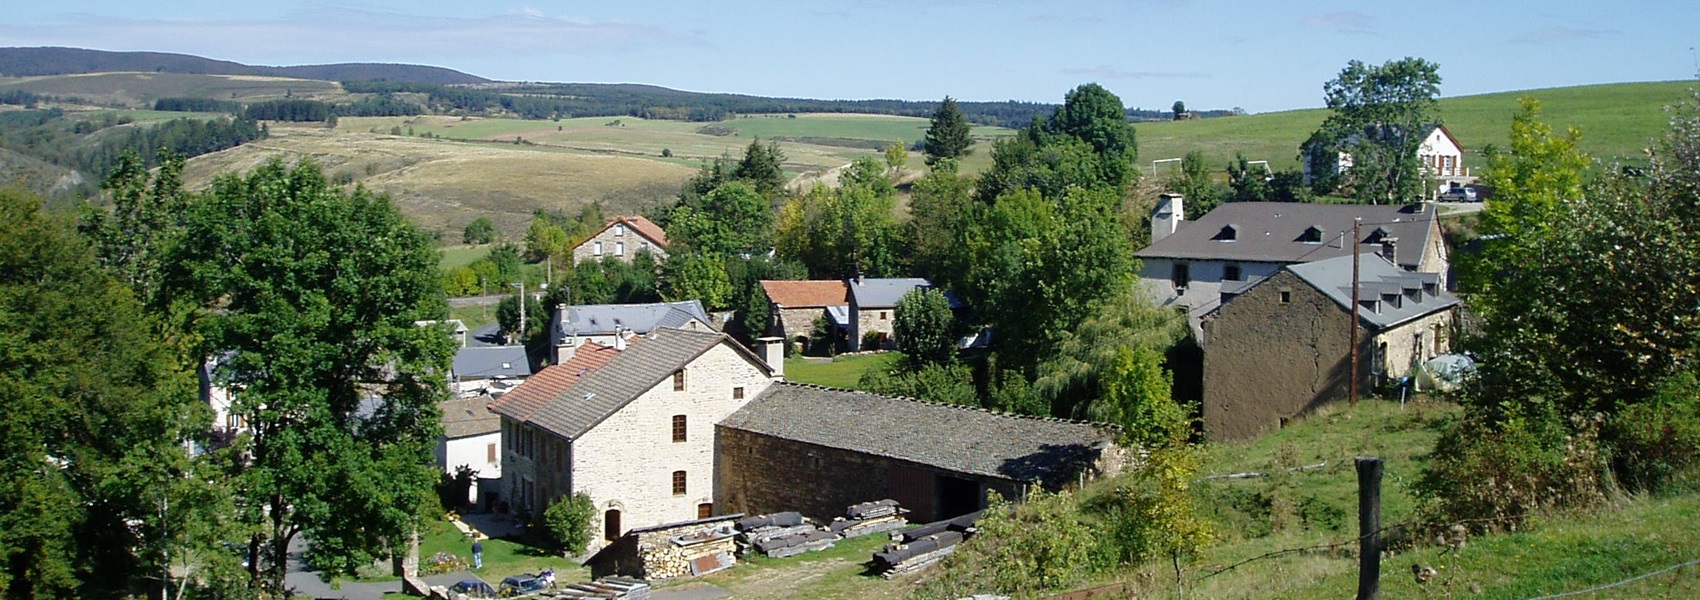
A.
pixel 797 324
pixel 1270 360
pixel 873 319
pixel 760 474
pixel 620 240
pixel 627 461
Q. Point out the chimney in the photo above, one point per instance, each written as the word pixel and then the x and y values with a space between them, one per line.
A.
pixel 1390 249
pixel 621 337
pixel 772 351
pixel 565 349
pixel 1168 216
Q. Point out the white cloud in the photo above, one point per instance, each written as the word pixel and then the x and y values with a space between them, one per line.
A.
pixel 1109 72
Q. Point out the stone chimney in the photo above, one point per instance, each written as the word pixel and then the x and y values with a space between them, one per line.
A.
pixel 1168 217
pixel 621 337
pixel 1390 249
pixel 772 351
pixel 565 349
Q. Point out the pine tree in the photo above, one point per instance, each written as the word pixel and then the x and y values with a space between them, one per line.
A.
pixel 948 135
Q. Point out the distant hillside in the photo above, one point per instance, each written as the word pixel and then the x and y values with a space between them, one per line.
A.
pixel 24 62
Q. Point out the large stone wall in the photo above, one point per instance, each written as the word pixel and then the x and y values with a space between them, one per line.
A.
pixel 627 461
pixel 760 474
pixel 796 322
pixel 1266 361
pixel 611 239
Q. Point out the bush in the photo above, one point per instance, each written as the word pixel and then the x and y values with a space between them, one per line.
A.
pixel 1657 443
pixel 479 231
pixel 1038 546
pixel 569 521
pixel 1499 475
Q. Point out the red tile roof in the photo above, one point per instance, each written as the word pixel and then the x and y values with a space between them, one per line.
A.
pixel 801 294
pixel 547 384
pixel 645 228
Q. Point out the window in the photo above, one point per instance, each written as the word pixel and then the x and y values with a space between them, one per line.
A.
pixel 884 315
pixel 705 510
pixel 679 380
pixel 1312 235
pixel 1181 275
pixel 1231 272
pixel 611 524
pixel 597 248
pixel 738 393
pixel 678 483
pixel 678 428
pixel 1228 233
pixel 619 248
pixel 1286 297
pixel 490 453
pixel 620 230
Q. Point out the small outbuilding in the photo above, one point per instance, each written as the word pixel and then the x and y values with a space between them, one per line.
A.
pixel 670 550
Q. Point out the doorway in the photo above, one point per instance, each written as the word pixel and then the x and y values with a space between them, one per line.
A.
pixel 611 524
pixel 956 496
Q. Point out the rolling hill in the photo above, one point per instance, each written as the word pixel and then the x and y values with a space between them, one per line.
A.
pixel 26 62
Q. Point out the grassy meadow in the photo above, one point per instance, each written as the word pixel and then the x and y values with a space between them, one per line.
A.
pixel 144 88
pixel 1616 122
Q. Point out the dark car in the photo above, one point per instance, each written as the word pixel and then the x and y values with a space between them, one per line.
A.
pixel 1462 193
pixel 474 588
pixel 528 583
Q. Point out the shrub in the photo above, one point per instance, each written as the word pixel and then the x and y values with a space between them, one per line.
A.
pixel 1657 443
pixel 1499 475
pixel 569 521
pixel 1037 546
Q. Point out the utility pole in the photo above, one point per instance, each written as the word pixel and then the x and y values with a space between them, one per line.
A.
pixel 1369 527
pixel 521 285
pixel 1352 310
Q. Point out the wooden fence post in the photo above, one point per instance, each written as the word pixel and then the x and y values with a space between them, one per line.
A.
pixel 1369 527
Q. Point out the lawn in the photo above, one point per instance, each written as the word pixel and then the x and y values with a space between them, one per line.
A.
pixel 502 557
pixel 843 372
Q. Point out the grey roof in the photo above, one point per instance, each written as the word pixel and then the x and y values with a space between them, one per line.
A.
pixel 1272 232
pixel 955 438
pixel 489 362
pixel 467 417
pixel 1398 295
pixel 645 362
pixel 606 319
pixel 875 293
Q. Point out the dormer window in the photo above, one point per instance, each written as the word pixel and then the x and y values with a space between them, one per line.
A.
pixel 1391 300
pixel 1375 237
pixel 1370 306
pixel 1312 235
pixel 1228 233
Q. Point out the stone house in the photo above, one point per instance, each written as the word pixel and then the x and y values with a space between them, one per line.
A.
pixel 1440 154
pixel 796 305
pixel 632 427
pixel 477 368
pixel 606 323
pixel 622 238
pixel 1280 346
pixel 1189 262
pixel 873 309
pixel 817 450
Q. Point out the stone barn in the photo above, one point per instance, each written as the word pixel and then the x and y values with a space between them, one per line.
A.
pixel 817 450
pixel 796 305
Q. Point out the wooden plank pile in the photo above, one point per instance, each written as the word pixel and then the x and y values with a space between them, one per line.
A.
pixel 924 546
pixel 607 588
pixel 782 534
pixel 869 518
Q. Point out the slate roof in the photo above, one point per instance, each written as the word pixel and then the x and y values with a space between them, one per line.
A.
pixel 1271 232
pixel 1416 294
pixel 807 294
pixel 487 362
pixel 606 319
pixel 878 293
pixel 467 417
pixel 554 380
pixel 643 364
pixel 954 438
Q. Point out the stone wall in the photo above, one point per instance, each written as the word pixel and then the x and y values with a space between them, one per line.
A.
pixel 627 461
pixel 761 474
pixel 612 238
pixel 1265 361
pixel 796 322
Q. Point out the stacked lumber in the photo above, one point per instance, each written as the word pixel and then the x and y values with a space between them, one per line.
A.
pixel 870 517
pixel 607 588
pixel 898 559
pixel 782 534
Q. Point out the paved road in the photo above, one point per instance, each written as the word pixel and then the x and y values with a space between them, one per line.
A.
pixel 490 300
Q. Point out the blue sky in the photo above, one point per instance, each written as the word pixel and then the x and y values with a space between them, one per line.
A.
pixel 1262 56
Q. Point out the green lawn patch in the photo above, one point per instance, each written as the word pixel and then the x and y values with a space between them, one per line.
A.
pixel 842 372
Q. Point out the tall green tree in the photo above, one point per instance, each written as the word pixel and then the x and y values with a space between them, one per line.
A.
pixel 925 328
pixel 313 294
pixel 1195 183
pixel 544 238
pixel 947 134
pixel 762 167
pixel 479 231
pixel 92 460
pixel 1086 143
pixel 697 276
pixel 1380 116
pixel 146 217
pixel 844 232
pixel 731 218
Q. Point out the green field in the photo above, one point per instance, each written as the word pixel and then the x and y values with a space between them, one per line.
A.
pixel 141 89
pixel 843 372
pixel 1616 121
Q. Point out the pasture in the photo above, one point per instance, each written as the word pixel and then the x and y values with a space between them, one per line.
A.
pixel 141 89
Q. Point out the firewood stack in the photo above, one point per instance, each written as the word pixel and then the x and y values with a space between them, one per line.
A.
pixel 782 534
pixel 923 546
pixel 870 517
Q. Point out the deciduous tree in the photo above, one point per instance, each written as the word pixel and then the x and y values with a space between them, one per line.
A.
pixel 313 294
pixel 925 328
pixel 1380 116
pixel 479 231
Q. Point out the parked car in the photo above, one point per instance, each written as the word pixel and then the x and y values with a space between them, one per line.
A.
pixel 1462 193
pixel 474 588
pixel 528 583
